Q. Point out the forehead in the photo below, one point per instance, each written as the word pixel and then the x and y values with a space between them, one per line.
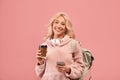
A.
pixel 60 18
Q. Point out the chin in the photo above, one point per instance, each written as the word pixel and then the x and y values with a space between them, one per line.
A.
pixel 59 34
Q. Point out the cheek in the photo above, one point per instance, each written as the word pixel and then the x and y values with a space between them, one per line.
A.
pixel 53 28
pixel 64 28
pixel 54 24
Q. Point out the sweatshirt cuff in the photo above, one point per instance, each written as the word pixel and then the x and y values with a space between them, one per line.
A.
pixel 72 74
pixel 69 74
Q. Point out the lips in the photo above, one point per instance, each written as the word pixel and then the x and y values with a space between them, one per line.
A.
pixel 58 29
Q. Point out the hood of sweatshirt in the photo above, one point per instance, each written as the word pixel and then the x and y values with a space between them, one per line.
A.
pixel 63 41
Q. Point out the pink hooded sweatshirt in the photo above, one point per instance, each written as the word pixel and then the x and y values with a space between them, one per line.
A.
pixel 61 52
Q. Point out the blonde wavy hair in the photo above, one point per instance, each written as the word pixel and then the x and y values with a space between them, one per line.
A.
pixel 69 30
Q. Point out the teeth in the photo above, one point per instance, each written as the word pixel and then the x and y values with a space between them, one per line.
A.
pixel 58 29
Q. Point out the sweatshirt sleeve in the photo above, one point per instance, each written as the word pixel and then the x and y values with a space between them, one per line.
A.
pixel 39 70
pixel 77 66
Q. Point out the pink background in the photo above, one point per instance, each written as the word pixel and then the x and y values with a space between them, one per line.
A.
pixel 23 24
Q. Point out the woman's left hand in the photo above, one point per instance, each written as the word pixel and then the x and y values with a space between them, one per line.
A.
pixel 64 68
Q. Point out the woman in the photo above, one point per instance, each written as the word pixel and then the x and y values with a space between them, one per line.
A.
pixel 58 41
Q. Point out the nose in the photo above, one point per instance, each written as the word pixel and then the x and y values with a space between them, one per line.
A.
pixel 59 24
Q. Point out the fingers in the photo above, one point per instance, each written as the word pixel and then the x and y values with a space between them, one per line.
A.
pixel 40 62
pixel 40 59
pixel 38 51
pixel 38 56
pixel 64 69
pixel 61 68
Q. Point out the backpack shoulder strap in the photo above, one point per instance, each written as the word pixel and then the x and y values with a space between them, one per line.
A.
pixel 84 51
pixel 73 45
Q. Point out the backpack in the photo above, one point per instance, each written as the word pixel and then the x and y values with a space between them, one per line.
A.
pixel 87 59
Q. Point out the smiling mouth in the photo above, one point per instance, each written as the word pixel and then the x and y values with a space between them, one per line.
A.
pixel 58 30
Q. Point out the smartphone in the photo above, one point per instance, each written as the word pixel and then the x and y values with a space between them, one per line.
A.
pixel 61 63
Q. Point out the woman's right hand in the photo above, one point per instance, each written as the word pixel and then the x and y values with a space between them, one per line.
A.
pixel 40 59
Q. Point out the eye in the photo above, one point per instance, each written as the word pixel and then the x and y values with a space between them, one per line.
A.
pixel 56 22
pixel 63 23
